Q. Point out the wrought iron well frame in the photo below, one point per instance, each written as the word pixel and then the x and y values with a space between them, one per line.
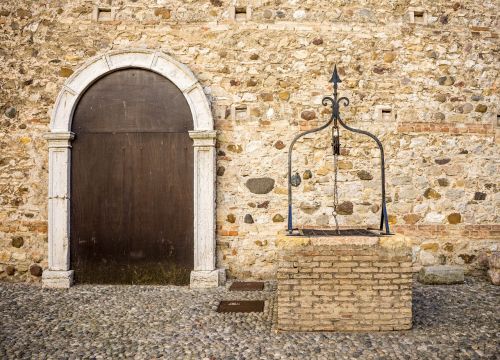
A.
pixel 336 119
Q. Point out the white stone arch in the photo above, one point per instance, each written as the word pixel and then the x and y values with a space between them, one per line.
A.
pixel 59 273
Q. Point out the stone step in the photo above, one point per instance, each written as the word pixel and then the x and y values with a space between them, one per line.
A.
pixel 441 274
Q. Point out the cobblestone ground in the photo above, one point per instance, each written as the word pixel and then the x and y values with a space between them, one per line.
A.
pixel 144 322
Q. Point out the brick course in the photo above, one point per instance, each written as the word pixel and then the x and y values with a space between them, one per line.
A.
pixel 344 283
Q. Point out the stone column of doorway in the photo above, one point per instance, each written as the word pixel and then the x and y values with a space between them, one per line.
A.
pixel 205 274
pixel 59 275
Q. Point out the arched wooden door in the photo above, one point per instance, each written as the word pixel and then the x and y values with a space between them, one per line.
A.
pixel 132 182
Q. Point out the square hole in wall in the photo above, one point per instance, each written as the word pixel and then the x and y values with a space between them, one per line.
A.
pixel 222 112
pixel 241 13
pixel 103 14
pixel 240 112
pixel 384 113
pixel 498 120
pixel 418 16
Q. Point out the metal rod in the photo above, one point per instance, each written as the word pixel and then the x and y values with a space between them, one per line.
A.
pixel 383 217
pixel 290 150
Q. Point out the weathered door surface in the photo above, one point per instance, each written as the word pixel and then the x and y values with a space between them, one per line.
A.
pixel 132 182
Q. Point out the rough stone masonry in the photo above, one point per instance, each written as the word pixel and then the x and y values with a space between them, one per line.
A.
pixel 421 75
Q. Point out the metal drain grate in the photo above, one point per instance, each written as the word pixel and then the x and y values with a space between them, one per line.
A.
pixel 241 306
pixel 246 286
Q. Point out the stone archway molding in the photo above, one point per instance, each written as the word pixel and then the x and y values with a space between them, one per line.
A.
pixel 59 273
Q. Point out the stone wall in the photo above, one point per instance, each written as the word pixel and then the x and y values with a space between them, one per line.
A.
pixel 344 283
pixel 421 75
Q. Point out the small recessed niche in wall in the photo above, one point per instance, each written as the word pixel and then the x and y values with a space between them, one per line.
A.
pixel 103 14
pixel 240 112
pixel 384 113
pixel 222 112
pixel 418 16
pixel 498 120
pixel 241 13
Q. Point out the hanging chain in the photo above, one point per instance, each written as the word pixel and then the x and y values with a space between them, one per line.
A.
pixel 336 153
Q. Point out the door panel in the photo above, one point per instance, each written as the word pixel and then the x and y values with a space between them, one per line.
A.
pixel 132 189
pixel 132 100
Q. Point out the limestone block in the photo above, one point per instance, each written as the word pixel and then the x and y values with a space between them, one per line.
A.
pixel 57 279
pixel 427 258
pixel 441 274
pixel 207 279
pixel 494 271
pixel 494 275
pixel 494 261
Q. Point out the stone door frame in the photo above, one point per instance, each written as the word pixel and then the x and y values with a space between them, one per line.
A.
pixel 59 273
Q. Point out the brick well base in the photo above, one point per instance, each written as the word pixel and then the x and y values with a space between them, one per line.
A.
pixel 344 283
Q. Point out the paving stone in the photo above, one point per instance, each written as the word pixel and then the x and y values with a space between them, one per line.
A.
pixel 441 274
pixel 172 322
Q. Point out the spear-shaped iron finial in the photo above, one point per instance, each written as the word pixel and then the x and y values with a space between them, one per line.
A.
pixel 335 76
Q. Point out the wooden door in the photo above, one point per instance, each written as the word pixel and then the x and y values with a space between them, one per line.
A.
pixel 132 182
